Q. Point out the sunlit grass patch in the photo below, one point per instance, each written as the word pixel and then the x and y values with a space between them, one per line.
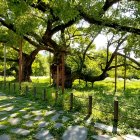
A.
pixel 102 93
pixel 8 78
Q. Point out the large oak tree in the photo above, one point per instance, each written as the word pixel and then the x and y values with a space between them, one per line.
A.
pixel 39 22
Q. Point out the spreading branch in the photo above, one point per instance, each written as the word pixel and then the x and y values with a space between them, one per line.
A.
pixel 134 67
pixel 62 26
pixel 131 59
pixel 111 24
pixel 108 4
pixel 120 41
pixel 113 67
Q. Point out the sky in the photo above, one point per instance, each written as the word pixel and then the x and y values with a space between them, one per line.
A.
pixel 100 41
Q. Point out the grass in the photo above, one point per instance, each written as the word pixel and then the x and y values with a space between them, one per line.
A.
pixel 103 99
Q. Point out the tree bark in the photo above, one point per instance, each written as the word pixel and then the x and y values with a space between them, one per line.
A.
pixel 26 69
pixel 27 61
pixel 57 60
pixel 20 61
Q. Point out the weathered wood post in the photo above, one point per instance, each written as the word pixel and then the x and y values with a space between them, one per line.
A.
pixel 86 84
pixel 44 94
pixel 116 110
pixel 79 81
pixel 56 96
pixel 50 76
pixel 57 76
pixel 19 86
pixel 14 88
pixel 124 72
pixel 71 101
pixel 63 72
pixel 90 105
pixel 20 61
pixel 115 123
pixel 9 87
pixel 4 66
pixel 4 86
pixel 116 73
pixel 1 85
pixel 92 84
pixel 34 92
pixel 27 90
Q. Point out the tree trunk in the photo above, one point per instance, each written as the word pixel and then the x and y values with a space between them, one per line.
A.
pixel 26 72
pixel 69 76
pixel 27 61
pixel 26 69
pixel 67 73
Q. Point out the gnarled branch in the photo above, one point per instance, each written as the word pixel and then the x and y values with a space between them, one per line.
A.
pixel 131 59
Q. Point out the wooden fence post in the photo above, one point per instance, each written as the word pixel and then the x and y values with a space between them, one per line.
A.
pixel 56 96
pixel 3 88
pixel 63 72
pixel 4 85
pixel 19 86
pixel 57 77
pixel 14 87
pixel 90 106
pixel 35 92
pixel 116 73
pixel 116 110
pixel 86 84
pixel 44 94
pixel 92 84
pixel 9 87
pixel 27 90
pixel 125 69
pixel 71 101
pixel 4 66
pixel 1 85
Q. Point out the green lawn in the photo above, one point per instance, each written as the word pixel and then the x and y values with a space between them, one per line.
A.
pixel 103 99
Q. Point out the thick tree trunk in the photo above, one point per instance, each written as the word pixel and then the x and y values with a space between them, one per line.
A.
pixel 26 73
pixel 57 61
pixel 88 78
pixel 26 69
pixel 69 76
pixel 27 61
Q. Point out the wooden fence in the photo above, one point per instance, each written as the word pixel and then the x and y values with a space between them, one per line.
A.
pixel 90 106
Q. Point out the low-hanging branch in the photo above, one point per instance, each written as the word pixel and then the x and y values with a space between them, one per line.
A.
pixel 131 59
pixel 113 67
pixel 134 67
pixel 110 24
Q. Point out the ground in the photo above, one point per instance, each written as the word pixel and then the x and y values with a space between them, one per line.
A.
pixel 23 119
